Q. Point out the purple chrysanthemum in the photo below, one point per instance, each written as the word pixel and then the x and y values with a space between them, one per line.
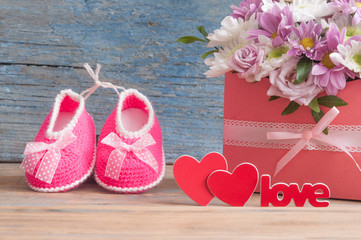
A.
pixel 326 73
pixel 275 24
pixel 348 7
pixel 246 9
pixel 309 41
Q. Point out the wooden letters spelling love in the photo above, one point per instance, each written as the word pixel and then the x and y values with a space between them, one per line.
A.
pixel 209 178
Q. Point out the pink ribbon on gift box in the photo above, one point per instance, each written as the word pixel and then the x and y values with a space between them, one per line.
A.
pixel 117 156
pixel 307 135
pixel 50 155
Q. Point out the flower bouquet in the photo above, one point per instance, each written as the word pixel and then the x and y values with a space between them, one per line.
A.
pixel 303 48
pixel 306 54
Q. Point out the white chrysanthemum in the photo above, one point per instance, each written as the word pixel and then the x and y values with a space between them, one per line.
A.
pixel 349 56
pixel 306 10
pixel 230 37
pixel 232 30
pixel 218 64
pixel 302 10
pixel 269 4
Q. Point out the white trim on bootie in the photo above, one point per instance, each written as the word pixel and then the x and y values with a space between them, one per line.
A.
pixel 118 123
pixel 55 112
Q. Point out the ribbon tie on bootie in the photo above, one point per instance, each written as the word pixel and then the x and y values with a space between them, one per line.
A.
pixel 117 156
pixel 50 155
pixel 306 136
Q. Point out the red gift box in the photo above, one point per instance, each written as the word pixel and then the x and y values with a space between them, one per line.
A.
pixel 248 116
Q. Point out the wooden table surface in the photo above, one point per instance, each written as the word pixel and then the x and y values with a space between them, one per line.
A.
pixel 165 212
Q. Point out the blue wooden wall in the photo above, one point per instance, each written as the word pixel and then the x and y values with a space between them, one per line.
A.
pixel 44 43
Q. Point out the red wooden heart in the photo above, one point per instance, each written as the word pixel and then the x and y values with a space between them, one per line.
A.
pixel 234 188
pixel 191 175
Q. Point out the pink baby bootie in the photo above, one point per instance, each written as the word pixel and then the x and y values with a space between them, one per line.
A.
pixel 62 155
pixel 130 156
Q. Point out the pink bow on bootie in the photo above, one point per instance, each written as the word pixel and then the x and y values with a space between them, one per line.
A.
pixel 50 155
pixel 117 156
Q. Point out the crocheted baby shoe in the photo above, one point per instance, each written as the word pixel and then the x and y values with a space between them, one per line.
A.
pixel 130 155
pixel 63 153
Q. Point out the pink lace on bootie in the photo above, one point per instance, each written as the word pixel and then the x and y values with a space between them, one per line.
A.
pixel 130 156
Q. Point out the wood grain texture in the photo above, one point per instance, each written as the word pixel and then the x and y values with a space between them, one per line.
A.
pixel 43 45
pixel 165 212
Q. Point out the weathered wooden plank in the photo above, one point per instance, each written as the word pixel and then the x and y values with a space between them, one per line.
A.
pixel 43 45
pixel 165 212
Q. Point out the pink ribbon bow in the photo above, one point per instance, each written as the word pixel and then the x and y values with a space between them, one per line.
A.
pixel 315 133
pixel 50 155
pixel 117 156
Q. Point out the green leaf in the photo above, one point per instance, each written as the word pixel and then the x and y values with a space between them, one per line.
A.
pixel 325 131
pixel 291 108
pixel 202 30
pixel 317 117
pixel 304 67
pixel 208 53
pixel 314 105
pixel 190 39
pixel 331 101
pixel 272 98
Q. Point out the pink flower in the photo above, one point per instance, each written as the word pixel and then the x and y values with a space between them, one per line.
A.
pixel 309 40
pixel 247 61
pixel 275 25
pixel 246 9
pixel 327 74
pixel 282 84
pixel 348 7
